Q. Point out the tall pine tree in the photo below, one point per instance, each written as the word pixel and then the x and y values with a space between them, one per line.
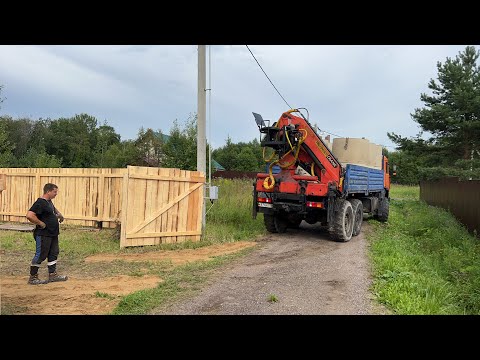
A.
pixel 451 114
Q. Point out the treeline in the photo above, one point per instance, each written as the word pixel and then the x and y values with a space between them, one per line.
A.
pixel 81 142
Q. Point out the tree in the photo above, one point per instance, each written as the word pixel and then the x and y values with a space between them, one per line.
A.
pixel 73 140
pixel 6 148
pixel 150 148
pixel 1 99
pixel 106 137
pixel 181 148
pixel 451 115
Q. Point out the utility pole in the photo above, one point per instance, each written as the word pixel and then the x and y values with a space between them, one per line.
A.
pixel 201 116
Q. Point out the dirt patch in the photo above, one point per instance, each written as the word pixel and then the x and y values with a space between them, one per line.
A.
pixel 81 295
pixel 177 257
pixel 72 297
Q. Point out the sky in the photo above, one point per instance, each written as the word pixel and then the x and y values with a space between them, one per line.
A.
pixel 350 91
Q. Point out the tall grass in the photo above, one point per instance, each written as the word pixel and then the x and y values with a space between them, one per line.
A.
pixel 230 217
pixel 73 242
pixel 425 262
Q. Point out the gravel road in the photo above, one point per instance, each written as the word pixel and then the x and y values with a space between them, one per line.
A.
pixel 303 270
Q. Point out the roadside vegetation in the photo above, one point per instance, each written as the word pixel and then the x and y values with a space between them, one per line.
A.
pixel 424 260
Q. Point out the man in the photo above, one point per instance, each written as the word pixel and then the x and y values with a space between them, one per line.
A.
pixel 46 217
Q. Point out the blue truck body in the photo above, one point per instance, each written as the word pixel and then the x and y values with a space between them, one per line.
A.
pixel 362 179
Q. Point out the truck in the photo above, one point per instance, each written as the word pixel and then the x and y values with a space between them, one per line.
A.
pixel 312 185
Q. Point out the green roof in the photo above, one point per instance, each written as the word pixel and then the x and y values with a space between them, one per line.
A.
pixel 216 165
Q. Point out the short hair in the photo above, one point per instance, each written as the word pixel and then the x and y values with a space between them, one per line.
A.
pixel 49 187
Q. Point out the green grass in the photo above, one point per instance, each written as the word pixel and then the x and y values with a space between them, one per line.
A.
pixel 73 242
pixel 404 192
pixel 230 218
pixel 104 295
pixel 272 298
pixel 182 281
pixel 424 261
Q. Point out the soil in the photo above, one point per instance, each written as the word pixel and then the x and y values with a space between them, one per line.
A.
pixel 84 293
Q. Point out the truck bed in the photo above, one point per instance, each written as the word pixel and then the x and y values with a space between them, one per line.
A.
pixel 362 179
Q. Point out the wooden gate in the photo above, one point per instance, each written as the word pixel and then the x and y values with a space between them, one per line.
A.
pixel 161 205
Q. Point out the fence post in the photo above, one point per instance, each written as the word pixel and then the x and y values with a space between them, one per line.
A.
pixel 123 224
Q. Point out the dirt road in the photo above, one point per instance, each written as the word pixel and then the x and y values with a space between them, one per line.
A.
pixel 299 272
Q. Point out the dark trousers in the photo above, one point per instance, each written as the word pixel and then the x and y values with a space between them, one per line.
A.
pixel 46 248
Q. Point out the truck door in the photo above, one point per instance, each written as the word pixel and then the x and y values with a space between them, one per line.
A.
pixel 386 170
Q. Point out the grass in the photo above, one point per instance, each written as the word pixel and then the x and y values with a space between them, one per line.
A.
pixel 272 298
pixel 230 218
pixel 424 261
pixel 104 295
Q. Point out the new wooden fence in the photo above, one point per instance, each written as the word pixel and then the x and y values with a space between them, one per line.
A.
pixel 153 205
pixel 462 198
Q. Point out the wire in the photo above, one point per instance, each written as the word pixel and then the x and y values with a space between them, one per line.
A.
pixel 308 115
pixel 268 78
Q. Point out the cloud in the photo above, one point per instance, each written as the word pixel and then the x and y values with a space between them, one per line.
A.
pixel 352 91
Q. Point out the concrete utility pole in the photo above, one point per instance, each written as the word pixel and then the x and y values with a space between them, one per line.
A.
pixel 201 116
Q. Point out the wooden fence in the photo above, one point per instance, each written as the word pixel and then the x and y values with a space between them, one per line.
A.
pixel 153 205
pixel 462 198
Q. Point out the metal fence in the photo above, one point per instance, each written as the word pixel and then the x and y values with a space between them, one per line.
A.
pixel 461 198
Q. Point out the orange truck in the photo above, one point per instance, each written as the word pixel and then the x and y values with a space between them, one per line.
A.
pixel 325 192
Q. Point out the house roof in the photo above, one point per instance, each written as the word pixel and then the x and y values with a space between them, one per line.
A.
pixel 216 165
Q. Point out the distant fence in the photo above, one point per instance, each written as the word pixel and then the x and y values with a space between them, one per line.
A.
pixel 154 205
pixel 462 198
pixel 235 174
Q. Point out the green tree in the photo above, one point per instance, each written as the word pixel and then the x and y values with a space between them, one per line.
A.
pixel 106 137
pixel 181 148
pixel 6 148
pixel 73 140
pixel 150 148
pixel 1 99
pixel 121 155
pixel 451 115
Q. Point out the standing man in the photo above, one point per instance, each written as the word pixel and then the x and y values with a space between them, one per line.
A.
pixel 46 217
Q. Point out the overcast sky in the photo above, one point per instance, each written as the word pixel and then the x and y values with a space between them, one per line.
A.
pixel 353 91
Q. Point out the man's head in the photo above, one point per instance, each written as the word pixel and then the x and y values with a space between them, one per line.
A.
pixel 50 190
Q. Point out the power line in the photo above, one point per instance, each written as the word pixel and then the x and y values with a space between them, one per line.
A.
pixel 268 77
pixel 288 103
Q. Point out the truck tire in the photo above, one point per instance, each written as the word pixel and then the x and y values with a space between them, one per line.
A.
pixel 294 221
pixel 269 222
pixel 343 221
pixel 357 207
pixel 383 210
pixel 281 223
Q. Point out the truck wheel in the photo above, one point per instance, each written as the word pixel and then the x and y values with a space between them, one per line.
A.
pixel 343 221
pixel 294 222
pixel 357 207
pixel 269 223
pixel 383 210
pixel 281 223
